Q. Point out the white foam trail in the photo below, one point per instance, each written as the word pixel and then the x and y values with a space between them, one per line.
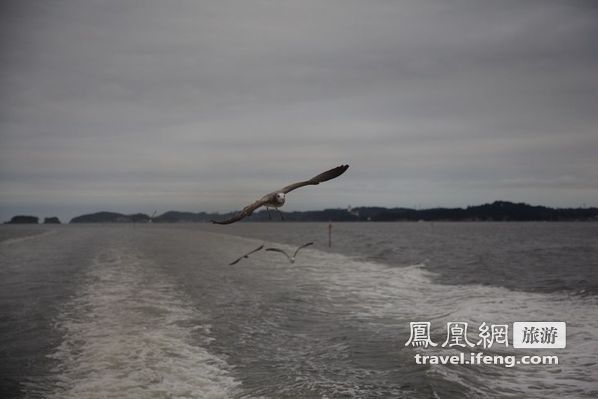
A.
pixel 129 335
pixel 391 297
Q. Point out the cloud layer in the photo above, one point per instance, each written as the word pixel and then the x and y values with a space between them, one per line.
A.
pixel 207 105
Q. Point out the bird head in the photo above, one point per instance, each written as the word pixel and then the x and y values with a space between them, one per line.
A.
pixel 280 198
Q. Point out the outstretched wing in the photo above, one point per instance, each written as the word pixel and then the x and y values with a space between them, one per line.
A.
pixel 246 255
pixel 301 247
pixel 279 250
pixel 255 250
pixel 248 210
pixel 322 177
pixel 234 262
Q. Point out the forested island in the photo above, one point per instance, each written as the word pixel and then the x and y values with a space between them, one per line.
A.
pixel 26 219
pixel 111 217
pixel 496 211
pixel 23 219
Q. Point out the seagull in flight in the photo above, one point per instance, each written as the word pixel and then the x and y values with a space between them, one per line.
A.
pixel 277 198
pixel 246 255
pixel 291 258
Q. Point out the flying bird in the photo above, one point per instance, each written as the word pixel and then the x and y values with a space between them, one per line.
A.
pixel 290 258
pixel 277 198
pixel 246 255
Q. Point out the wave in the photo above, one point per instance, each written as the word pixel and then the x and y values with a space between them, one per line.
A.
pixel 385 298
pixel 131 334
pixel 29 236
pixel 329 325
pixel 397 295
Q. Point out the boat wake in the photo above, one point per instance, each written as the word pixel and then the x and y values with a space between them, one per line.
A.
pixel 131 334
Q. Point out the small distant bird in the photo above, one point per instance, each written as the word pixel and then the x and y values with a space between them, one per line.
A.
pixel 277 198
pixel 290 258
pixel 246 255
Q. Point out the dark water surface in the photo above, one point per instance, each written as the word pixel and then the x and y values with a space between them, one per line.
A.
pixel 154 311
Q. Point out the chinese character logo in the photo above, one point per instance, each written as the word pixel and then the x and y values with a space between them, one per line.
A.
pixel 420 334
pixel 456 335
pixel 539 334
pixel 495 333
pixel 543 335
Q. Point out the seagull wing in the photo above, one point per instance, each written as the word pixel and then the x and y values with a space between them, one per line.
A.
pixel 248 210
pixel 234 262
pixel 301 247
pixel 279 250
pixel 322 177
pixel 255 250
pixel 246 255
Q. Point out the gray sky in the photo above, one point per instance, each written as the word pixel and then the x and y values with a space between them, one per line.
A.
pixel 207 105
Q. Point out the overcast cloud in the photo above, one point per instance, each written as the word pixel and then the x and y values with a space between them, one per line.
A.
pixel 207 105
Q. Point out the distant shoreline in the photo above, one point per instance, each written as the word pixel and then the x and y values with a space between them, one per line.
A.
pixel 497 211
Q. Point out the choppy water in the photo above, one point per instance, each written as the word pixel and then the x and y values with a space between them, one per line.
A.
pixel 154 311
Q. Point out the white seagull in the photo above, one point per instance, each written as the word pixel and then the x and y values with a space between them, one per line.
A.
pixel 246 255
pixel 277 198
pixel 291 258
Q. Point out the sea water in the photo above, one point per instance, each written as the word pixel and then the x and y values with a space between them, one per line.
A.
pixel 155 311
